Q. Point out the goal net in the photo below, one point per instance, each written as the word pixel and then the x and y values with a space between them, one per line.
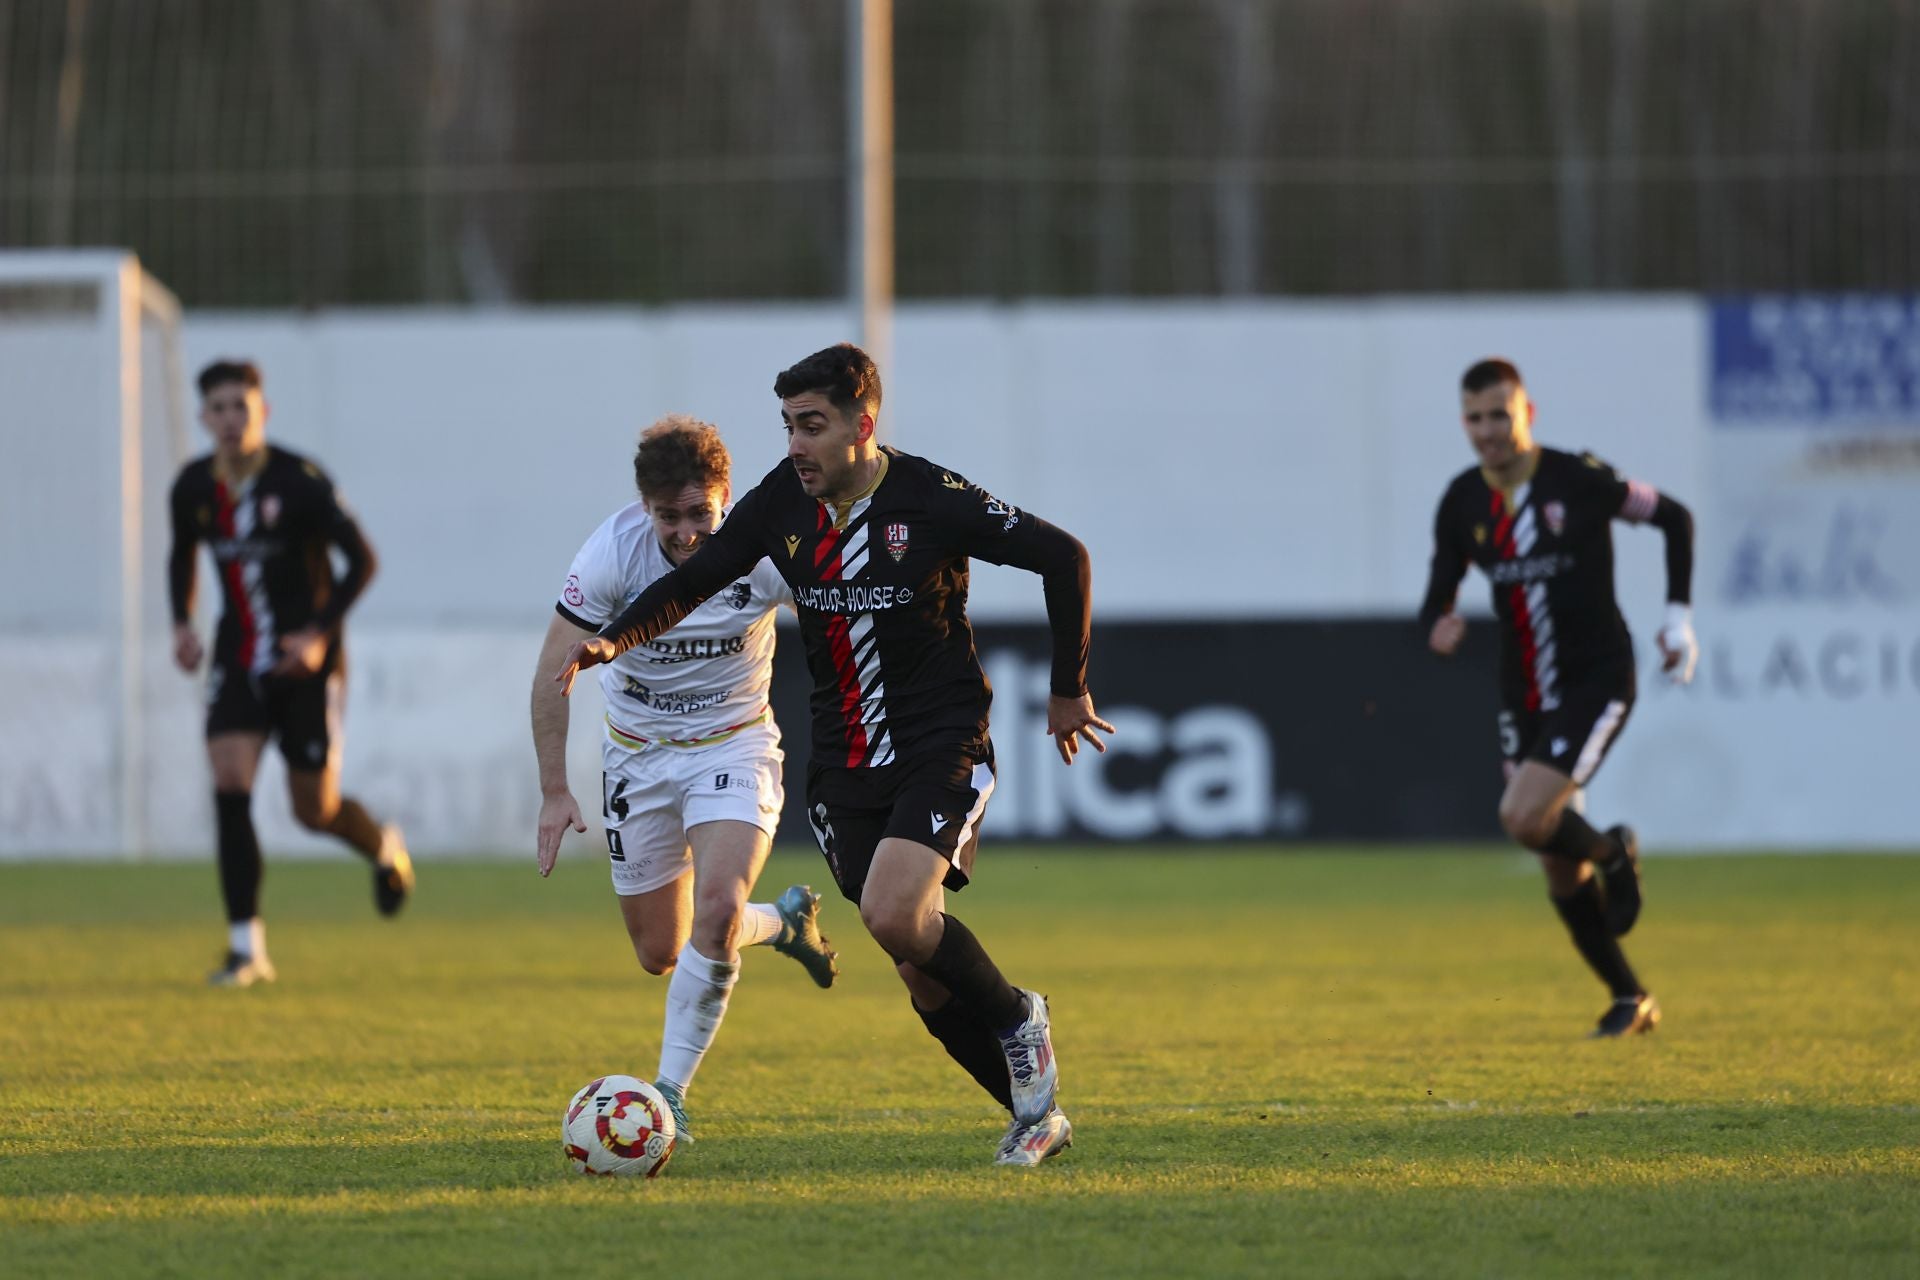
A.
pixel 93 415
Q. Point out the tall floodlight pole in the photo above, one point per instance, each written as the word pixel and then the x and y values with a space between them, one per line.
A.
pixel 870 174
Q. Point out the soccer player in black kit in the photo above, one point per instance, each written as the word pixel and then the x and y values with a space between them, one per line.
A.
pixel 1539 523
pixel 875 545
pixel 269 517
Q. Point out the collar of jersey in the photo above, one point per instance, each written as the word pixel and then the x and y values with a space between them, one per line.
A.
pixel 243 484
pixel 1533 465
pixel 841 510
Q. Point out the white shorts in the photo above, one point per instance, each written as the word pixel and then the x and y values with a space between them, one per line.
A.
pixel 650 798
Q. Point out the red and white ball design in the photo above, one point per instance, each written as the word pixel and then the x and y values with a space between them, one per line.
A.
pixel 618 1126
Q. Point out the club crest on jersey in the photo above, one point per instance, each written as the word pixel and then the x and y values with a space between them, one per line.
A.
pixel 1556 515
pixel 739 594
pixel 793 544
pixel 269 510
pixel 897 541
pixel 1480 534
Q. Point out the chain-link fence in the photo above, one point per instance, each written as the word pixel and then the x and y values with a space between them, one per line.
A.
pixel 310 152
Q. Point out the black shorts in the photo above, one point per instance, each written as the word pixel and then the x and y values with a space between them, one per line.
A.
pixel 936 801
pixel 1573 737
pixel 301 711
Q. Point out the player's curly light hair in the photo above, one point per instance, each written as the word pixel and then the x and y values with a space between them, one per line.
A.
pixel 678 451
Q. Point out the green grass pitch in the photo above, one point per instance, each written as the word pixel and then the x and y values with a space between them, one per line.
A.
pixel 1331 1063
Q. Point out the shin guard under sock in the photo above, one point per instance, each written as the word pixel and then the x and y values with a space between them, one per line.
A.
pixel 1586 920
pixel 241 869
pixel 962 966
pixel 971 1043
pixel 697 996
pixel 1575 839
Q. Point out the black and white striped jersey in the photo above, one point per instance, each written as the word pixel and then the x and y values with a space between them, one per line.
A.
pixel 1546 548
pixel 269 538
pixel 880 586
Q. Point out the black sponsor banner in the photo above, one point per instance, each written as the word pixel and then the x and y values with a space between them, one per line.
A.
pixel 1307 730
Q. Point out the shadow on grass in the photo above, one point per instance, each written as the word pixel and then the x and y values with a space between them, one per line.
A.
pixel 1722 1225
pixel 1202 1146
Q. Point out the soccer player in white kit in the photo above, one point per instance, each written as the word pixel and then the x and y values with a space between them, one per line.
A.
pixel 692 791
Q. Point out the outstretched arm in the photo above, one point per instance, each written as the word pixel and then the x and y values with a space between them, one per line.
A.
pixel 1679 651
pixel 670 598
pixel 1675 522
pixel 1066 573
pixel 558 809
pixel 1641 503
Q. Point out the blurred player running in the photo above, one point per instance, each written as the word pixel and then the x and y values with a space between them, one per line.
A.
pixel 692 789
pixel 874 543
pixel 1539 523
pixel 270 516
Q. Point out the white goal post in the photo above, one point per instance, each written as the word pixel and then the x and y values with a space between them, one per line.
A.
pixel 93 418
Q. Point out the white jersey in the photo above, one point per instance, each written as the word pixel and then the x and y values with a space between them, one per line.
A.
pixel 699 681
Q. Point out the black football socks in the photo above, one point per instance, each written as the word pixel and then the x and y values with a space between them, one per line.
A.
pixel 963 967
pixel 241 869
pixel 971 1043
pixel 1576 839
pixel 1586 920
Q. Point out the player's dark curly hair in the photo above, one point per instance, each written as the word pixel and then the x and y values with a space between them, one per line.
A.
pixel 1490 372
pixel 678 451
pixel 221 372
pixel 845 372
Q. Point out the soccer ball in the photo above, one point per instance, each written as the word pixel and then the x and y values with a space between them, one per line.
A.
pixel 616 1126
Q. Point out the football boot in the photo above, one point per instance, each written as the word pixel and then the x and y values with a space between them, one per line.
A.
pixel 800 937
pixel 1627 1016
pixel 1030 1065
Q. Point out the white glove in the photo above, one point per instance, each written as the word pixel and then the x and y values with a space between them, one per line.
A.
pixel 1679 651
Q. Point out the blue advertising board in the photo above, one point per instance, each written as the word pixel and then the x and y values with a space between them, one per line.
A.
pixel 1841 360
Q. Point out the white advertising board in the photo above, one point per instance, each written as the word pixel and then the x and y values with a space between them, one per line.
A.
pixel 1271 460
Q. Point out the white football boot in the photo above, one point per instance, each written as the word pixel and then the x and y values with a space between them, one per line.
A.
pixel 1027 1145
pixel 1035 1075
pixel 242 970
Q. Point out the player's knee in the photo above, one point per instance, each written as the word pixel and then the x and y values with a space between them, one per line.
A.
pixel 714 934
pixel 894 929
pixel 310 813
pixel 655 958
pixel 717 905
pixel 1525 823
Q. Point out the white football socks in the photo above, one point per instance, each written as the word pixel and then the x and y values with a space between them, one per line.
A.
pixel 759 923
pixel 697 995
pixel 248 937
